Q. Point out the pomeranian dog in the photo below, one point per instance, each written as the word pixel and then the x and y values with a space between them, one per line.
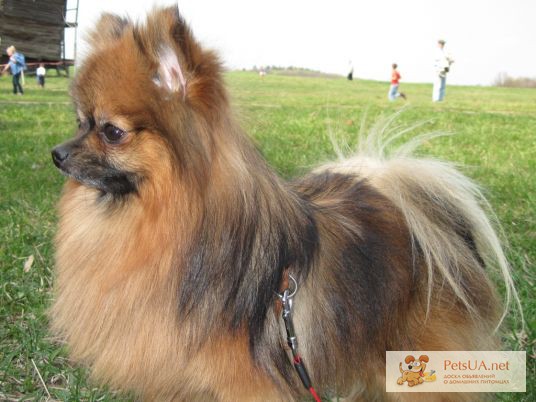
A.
pixel 176 242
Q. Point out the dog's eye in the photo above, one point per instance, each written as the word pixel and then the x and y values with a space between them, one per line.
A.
pixel 112 134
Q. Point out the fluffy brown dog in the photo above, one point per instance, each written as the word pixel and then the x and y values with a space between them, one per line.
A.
pixel 175 235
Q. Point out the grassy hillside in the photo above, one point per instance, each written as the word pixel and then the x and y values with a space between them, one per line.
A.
pixel 290 119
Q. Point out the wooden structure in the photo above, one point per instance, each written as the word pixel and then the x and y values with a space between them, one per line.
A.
pixel 36 29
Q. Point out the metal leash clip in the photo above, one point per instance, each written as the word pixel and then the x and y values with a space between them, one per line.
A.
pixel 286 301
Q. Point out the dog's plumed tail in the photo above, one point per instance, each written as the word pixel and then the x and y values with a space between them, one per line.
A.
pixel 434 197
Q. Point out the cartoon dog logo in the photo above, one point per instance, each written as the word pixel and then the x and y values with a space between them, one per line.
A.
pixel 415 374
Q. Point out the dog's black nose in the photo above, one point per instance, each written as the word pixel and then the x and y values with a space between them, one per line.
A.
pixel 59 155
pixel 409 367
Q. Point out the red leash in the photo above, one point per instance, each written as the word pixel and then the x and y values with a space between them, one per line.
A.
pixel 314 394
pixel 304 376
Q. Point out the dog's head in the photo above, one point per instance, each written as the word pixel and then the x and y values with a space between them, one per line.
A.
pixel 143 95
pixel 416 365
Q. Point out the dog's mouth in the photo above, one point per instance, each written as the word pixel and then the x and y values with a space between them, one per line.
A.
pixel 93 173
pixel 71 173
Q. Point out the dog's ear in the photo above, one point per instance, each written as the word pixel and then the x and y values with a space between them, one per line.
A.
pixel 409 359
pixel 424 358
pixel 165 40
pixel 109 27
pixel 181 65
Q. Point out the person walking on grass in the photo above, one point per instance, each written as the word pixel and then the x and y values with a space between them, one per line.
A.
pixel 442 63
pixel 40 73
pixel 395 81
pixel 17 65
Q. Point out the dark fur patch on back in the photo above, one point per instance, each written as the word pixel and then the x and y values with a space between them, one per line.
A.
pixel 366 264
pixel 235 268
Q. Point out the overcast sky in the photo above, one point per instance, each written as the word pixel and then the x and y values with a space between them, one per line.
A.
pixel 486 37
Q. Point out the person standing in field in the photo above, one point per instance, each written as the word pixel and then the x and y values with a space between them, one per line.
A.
pixel 395 81
pixel 40 72
pixel 16 64
pixel 442 63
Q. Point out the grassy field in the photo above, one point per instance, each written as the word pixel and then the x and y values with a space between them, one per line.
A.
pixel 289 119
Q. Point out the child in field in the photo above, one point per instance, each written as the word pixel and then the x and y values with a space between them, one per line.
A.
pixel 17 65
pixel 395 79
pixel 41 75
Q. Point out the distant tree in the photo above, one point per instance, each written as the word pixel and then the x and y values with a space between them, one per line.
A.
pixel 504 80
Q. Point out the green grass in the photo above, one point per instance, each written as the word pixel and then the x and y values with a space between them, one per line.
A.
pixel 289 118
